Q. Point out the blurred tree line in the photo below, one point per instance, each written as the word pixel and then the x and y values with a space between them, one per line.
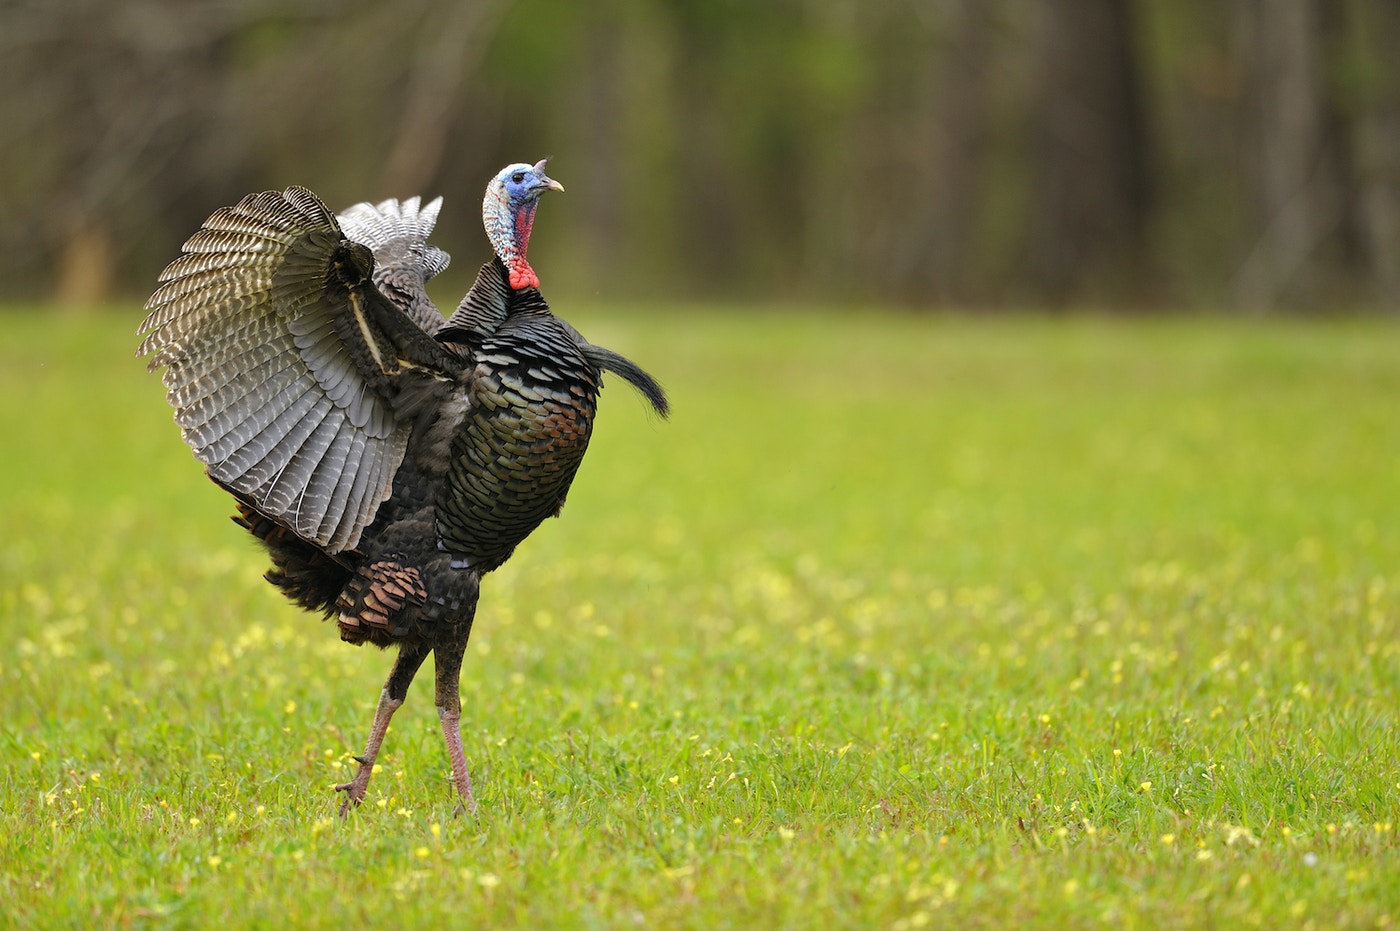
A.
pixel 1139 153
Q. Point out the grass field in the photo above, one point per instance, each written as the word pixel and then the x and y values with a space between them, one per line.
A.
pixel 897 623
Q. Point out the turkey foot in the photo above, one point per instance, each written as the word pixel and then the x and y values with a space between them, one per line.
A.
pixel 447 663
pixel 451 731
pixel 390 700
pixel 355 789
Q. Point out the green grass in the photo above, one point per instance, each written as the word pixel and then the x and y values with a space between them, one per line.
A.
pixel 897 623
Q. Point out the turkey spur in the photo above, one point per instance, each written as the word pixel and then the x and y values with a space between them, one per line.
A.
pixel 385 456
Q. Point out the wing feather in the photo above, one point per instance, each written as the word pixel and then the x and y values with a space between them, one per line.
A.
pixel 351 443
pixel 288 370
pixel 276 429
pixel 285 492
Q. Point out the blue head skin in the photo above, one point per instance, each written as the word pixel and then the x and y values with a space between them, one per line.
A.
pixel 508 212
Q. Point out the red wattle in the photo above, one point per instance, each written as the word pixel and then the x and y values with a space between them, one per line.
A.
pixel 523 276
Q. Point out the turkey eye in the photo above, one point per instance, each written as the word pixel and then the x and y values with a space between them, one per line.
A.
pixel 518 177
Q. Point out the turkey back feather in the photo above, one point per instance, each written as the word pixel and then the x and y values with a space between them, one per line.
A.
pixel 397 232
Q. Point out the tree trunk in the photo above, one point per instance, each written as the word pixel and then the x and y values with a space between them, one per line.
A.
pixel 1320 217
pixel 1091 195
pixel 936 257
pixel 455 39
pixel 85 269
pixel 1277 49
pixel 1377 139
pixel 601 105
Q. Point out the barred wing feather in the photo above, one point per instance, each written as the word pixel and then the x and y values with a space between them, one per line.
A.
pixel 286 366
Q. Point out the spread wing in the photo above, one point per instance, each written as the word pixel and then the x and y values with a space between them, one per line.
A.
pixel 293 378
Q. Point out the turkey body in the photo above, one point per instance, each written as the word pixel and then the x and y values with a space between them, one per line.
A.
pixel 385 456
pixel 493 454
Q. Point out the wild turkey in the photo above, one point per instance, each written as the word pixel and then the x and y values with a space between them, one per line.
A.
pixel 387 458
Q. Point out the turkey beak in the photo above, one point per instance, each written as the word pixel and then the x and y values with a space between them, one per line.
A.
pixel 543 184
pixel 548 183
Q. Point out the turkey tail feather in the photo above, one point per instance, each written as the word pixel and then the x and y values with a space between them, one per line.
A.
pixel 609 361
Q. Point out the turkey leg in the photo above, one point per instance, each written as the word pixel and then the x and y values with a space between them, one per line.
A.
pixel 390 700
pixel 447 664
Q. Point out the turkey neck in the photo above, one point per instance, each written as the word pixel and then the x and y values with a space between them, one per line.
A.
pixel 508 228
